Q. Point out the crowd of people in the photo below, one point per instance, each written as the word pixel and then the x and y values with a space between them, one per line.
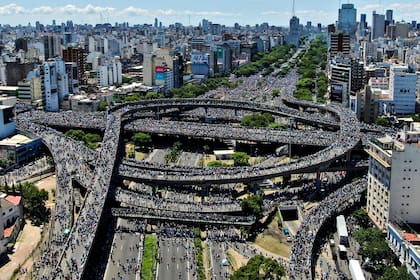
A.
pixel 224 234
pixel 129 198
pixel 300 264
pixel 27 171
pixel 71 241
pixel 209 218
pixel 225 131
pixel 69 119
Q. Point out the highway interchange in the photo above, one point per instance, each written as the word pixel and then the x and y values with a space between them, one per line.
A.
pixel 334 129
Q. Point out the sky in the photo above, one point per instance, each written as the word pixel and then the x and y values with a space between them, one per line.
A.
pixel 228 12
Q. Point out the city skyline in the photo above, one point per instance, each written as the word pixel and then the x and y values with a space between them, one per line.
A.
pixel 187 12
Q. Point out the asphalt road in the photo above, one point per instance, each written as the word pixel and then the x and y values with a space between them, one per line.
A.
pixel 176 259
pixel 125 258
pixel 217 254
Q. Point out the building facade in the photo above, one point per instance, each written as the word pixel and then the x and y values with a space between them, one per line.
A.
pixel 394 166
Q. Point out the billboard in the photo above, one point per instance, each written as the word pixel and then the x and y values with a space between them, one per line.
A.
pixel 199 58
pixel 160 76
pixel 160 69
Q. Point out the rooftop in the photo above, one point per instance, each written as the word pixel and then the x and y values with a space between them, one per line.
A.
pixel 15 200
pixel 16 140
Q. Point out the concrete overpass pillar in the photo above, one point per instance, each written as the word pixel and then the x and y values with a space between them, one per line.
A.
pixel 254 188
pixel 203 192
pixel 348 156
pixel 318 179
pixel 157 114
pixel 286 179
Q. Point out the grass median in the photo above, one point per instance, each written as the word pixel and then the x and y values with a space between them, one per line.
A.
pixel 199 254
pixel 149 257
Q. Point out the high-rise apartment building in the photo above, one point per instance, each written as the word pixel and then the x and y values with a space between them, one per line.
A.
pixel 339 44
pixel 393 177
pixel 402 86
pixel 52 46
pixel 77 55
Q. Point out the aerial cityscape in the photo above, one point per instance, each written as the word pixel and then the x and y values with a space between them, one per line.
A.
pixel 210 140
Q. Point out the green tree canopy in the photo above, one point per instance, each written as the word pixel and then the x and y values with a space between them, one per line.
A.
pixel 102 105
pixel 373 245
pixel 259 268
pixel 141 139
pixel 252 205
pixel 217 163
pixel 257 120
pixel 392 273
pixel 76 134
pixel 92 138
pixel 382 121
pixel 362 218
pixel 240 159
pixel 34 203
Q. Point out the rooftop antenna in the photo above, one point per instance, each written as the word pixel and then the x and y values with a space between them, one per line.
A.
pixel 293 9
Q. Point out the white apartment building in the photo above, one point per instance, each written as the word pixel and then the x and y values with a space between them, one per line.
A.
pixel 110 73
pixel 394 173
pixel 402 86
pixel 49 75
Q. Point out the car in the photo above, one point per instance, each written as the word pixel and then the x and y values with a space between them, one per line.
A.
pixel 289 238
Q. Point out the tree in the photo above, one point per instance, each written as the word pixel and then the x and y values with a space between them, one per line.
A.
pixel 362 218
pixel 240 159
pixel 373 245
pixel 92 138
pixel 34 203
pixel 4 163
pixel 103 105
pixel 382 121
pixel 252 205
pixel 141 139
pixel 76 134
pixel 153 95
pixel 217 163
pixel 257 120
pixel 259 267
pixel 392 273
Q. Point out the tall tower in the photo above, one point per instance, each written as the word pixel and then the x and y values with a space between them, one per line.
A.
pixel 347 19
pixel 294 27
pixel 293 9
pixel 378 25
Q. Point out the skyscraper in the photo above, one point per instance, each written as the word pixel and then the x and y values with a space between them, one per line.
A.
pixel 294 33
pixel 378 25
pixel 389 16
pixel 363 22
pixel 347 19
